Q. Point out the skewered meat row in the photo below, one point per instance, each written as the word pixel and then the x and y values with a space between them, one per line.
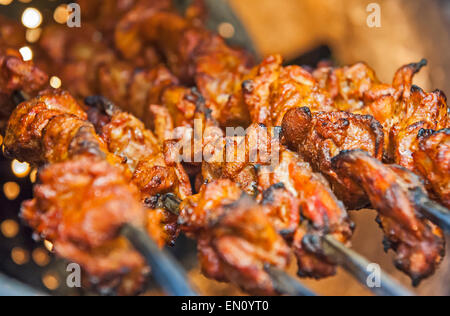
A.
pixel 235 238
pixel 286 83
pixel 53 128
pixel 405 111
pixel 419 244
pixel 194 54
pixel 17 75
pixel 326 139
pixel 271 88
pixel 287 189
pixel 81 186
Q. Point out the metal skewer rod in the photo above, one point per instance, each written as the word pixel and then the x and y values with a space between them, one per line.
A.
pixel 435 212
pixel 11 287
pixel 167 272
pixel 357 265
pixel 286 284
pixel 283 282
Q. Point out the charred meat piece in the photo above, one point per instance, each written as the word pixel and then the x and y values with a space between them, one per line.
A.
pixel 235 238
pixel 432 162
pixel 79 206
pixel 320 136
pixel 419 244
pixel 194 54
pixel 270 90
pixel 17 78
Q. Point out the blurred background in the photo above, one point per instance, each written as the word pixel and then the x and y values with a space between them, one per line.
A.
pixel 304 32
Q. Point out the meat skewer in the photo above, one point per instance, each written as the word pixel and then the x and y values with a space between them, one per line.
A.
pixel 408 116
pixel 419 244
pixel 328 143
pixel 286 284
pixel 61 124
pixel 331 248
pixel 94 146
pixel 358 267
pixel 166 271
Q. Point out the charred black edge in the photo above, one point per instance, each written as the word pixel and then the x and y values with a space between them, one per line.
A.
pixel 171 203
pixel 248 86
pixel 418 66
pixel 83 143
pixel 378 130
pixel 200 102
pixel 101 103
pixel 426 133
pixel 268 194
pixel 19 97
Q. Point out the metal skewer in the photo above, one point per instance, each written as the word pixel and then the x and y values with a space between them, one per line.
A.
pixel 167 271
pixel 357 265
pixel 286 284
pixel 11 287
pixel 283 282
pixel 435 212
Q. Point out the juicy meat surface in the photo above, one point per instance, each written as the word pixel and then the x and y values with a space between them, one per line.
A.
pixel 194 54
pixel 80 205
pixel 419 244
pixel 432 162
pixel 17 76
pixel 320 136
pixel 235 238
pixel 270 90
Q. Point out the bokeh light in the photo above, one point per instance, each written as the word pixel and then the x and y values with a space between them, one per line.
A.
pixel 5 2
pixel 61 14
pixel 55 82
pixel 226 30
pixel 40 257
pixel 27 53
pixel 33 175
pixel 33 35
pixel 20 169
pixel 51 281
pixel 20 256
pixel 9 228
pixel 11 190
pixel 31 18
pixel 48 245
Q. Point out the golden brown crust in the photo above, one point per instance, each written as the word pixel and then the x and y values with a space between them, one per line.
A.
pixel 432 162
pixel 419 244
pixel 80 206
pixel 320 136
pixel 270 90
pixel 16 76
pixel 235 237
